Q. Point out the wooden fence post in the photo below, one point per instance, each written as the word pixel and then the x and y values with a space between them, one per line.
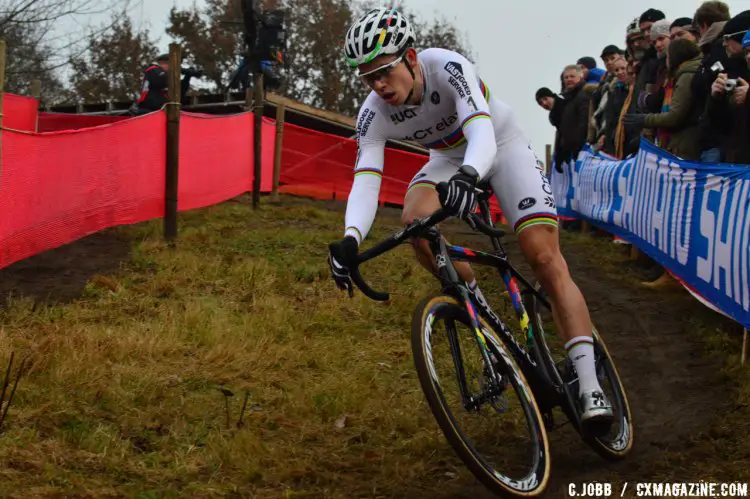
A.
pixel 36 89
pixel 280 116
pixel 258 135
pixel 743 357
pixel 36 92
pixel 173 144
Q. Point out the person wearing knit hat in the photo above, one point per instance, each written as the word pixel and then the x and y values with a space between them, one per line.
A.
pixel 545 98
pixel 683 28
pixel 660 37
pixel 734 31
pixel 647 19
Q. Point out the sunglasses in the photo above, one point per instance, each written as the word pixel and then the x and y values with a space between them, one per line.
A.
pixel 732 35
pixel 383 71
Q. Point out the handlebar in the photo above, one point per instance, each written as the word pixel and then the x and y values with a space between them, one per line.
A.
pixel 418 226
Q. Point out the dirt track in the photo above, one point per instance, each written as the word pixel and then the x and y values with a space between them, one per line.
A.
pixel 674 389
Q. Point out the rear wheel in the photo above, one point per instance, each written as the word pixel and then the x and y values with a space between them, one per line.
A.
pixel 617 442
pixel 494 427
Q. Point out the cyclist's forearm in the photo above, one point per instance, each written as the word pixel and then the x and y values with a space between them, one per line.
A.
pixel 363 204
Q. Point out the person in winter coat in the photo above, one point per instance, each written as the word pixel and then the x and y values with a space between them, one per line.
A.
pixel 677 124
pixel 683 28
pixel 617 96
pixel 729 110
pixel 710 19
pixel 575 115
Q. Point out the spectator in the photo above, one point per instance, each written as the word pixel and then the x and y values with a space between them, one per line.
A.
pixel 647 19
pixel 575 115
pixel 677 124
pixel 609 55
pixel 650 100
pixel 683 28
pixel 636 45
pixel 710 19
pixel 153 94
pixel 708 14
pixel 591 73
pixel 599 98
pixel 546 98
pixel 617 96
pixel 647 69
pixel 727 109
pixel 627 138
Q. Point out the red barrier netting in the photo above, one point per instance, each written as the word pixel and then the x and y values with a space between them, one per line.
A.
pixel 53 122
pixel 216 158
pixel 59 187
pixel 20 112
pixel 320 165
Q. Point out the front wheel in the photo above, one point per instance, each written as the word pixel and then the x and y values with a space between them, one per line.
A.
pixel 492 422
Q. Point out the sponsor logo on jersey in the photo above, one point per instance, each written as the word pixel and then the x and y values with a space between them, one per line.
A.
pixel 526 203
pixel 457 79
pixel 435 98
pixel 402 116
pixel 442 126
pixel 365 120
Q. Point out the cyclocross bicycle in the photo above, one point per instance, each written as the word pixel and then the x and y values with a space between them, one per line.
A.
pixel 537 380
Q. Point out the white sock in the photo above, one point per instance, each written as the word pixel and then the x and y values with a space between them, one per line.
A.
pixel 581 352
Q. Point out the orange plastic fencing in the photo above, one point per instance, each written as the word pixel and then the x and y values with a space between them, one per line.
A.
pixel 53 122
pixel 58 187
pixel 216 158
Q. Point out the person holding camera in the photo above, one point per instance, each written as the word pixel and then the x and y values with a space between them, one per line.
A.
pixel 727 109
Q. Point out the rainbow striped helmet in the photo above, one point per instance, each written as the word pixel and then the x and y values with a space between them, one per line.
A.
pixel 379 32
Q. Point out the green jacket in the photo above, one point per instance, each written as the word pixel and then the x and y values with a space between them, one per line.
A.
pixel 681 120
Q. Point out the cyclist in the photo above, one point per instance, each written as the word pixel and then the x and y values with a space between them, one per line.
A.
pixel 436 99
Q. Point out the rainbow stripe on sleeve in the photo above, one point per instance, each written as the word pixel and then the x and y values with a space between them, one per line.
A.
pixel 368 171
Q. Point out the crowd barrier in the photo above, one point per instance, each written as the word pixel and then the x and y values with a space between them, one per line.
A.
pixel 82 174
pixel 692 218
pixel 54 122
pixel 20 112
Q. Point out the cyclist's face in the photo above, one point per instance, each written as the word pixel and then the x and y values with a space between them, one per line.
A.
pixel 391 79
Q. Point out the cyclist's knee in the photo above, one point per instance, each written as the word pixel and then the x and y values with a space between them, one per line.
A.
pixel 548 265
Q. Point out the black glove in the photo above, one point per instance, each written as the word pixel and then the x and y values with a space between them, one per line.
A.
pixel 340 255
pixel 460 197
pixel 635 120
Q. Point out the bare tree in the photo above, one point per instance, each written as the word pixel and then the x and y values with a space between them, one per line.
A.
pixel 113 65
pixel 43 35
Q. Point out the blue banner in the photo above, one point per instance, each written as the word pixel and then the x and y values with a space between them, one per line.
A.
pixel 692 218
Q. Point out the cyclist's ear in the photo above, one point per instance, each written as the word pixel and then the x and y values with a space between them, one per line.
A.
pixel 411 56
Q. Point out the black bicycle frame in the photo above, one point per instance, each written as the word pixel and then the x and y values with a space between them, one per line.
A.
pixel 444 254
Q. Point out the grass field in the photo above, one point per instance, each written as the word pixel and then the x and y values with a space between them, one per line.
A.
pixel 129 383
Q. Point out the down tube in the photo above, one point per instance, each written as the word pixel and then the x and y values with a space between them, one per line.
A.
pixel 515 297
